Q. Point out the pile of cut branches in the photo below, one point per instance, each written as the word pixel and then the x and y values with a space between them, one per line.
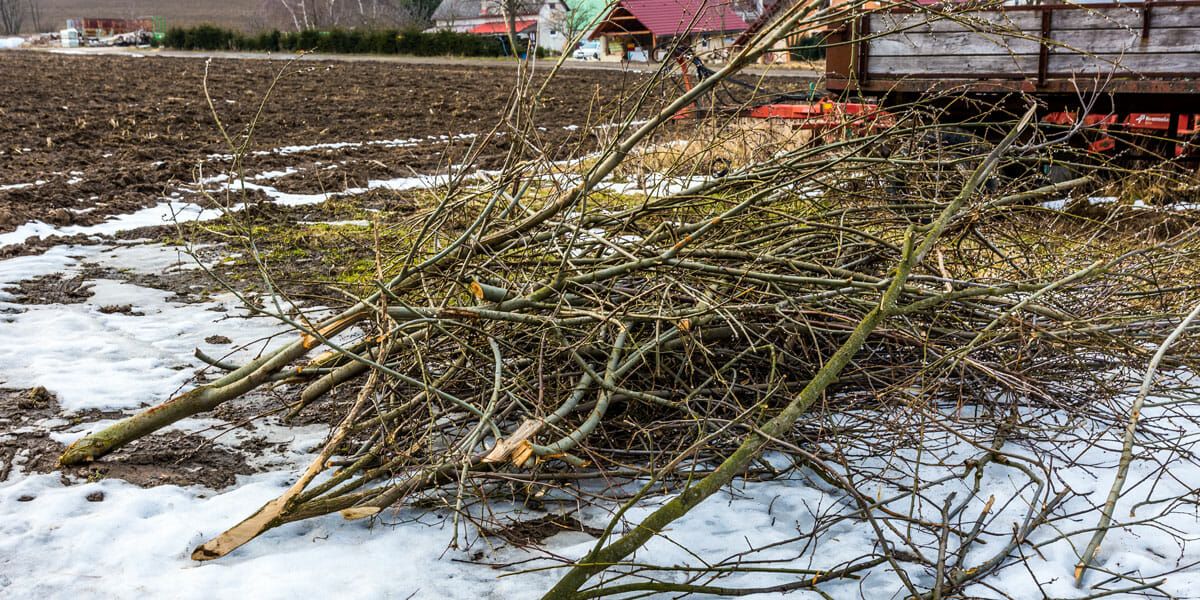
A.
pixel 537 328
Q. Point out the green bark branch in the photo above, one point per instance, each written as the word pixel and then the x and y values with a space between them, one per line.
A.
pixel 602 557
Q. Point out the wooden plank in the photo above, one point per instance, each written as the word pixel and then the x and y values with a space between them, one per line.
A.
pixel 923 23
pixel 1083 18
pixel 893 66
pixel 1091 42
pixel 1125 65
pixel 952 44
pixel 1141 65
pixel 1152 90
pixel 1145 65
pixel 1186 40
pixel 1125 17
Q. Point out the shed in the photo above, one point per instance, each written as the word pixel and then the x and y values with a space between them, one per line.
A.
pixel 633 26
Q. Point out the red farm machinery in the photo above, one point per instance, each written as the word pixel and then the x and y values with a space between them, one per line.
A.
pixel 1123 77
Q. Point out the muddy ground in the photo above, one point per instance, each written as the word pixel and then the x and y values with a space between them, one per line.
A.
pixel 171 457
pixel 84 139
pixel 108 135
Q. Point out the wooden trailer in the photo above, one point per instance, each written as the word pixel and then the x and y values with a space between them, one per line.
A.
pixel 1137 56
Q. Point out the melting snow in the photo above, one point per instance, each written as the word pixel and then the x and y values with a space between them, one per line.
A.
pixel 163 213
pixel 91 359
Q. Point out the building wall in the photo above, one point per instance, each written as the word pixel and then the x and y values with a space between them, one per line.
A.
pixel 709 46
pixel 548 32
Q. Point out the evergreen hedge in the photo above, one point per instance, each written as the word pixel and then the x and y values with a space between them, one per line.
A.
pixel 413 42
pixel 808 47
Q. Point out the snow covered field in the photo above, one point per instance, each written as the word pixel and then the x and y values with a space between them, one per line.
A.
pixel 56 541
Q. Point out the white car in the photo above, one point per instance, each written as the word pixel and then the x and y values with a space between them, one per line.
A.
pixel 587 51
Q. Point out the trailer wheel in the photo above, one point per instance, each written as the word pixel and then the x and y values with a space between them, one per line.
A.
pixel 719 167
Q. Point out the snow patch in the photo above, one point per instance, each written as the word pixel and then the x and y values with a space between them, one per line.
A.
pixel 163 213
pixel 115 360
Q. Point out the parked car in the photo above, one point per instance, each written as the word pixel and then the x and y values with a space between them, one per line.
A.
pixel 589 50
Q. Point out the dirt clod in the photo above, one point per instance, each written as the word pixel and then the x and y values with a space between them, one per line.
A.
pixel 167 458
pixel 536 531
pixel 38 397
pixel 54 288
pixel 125 309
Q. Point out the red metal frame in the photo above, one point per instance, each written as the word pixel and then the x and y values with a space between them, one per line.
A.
pixel 821 114
pixel 1169 125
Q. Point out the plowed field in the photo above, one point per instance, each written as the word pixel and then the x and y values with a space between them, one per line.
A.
pixel 85 138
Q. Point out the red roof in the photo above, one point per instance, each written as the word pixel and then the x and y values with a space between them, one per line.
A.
pixel 502 27
pixel 672 17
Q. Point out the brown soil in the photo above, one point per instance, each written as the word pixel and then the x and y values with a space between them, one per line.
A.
pixel 51 289
pixel 34 245
pixel 112 134
pixel 524 534
pixel 109 135
pixel 188 285
pixel 168 458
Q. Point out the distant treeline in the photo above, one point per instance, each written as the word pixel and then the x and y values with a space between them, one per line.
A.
pixel 412 42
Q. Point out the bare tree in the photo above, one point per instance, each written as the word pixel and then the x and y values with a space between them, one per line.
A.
pixel 35 14
pixel 332 13
pixel 510 9
pixel 298 12
pixel 402 12
pixel 572 22
pixel 12 15
pixel 419 11
pixel 299 15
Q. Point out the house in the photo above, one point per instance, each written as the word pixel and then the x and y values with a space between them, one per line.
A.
pixel 546 22
pixel 772 11
pixel 632 28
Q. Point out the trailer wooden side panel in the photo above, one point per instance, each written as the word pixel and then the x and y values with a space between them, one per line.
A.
pixel 1126 48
